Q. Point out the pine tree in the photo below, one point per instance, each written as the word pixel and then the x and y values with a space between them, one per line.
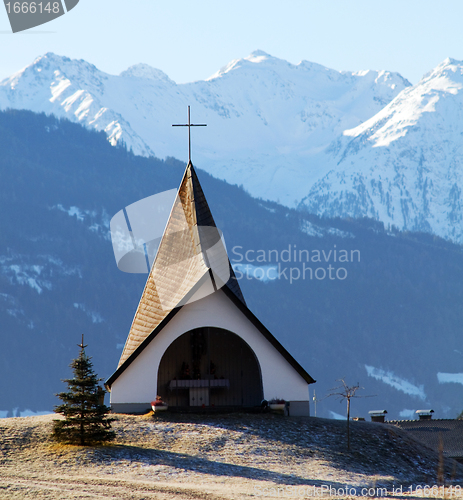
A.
pixel 86 421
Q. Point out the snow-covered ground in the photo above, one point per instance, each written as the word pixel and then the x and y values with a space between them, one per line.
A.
pixel 217 456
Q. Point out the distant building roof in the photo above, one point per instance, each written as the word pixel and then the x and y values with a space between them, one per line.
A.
pixel 429 432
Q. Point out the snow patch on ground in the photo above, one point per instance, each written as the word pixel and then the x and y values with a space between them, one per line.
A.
pixel 94 316
pixel 16 313
pixel 311 229
pixel 36 275
pixel 407 414
pixel 26 275
pixel 337 416
pixel 97 223
pixel 319 231
pixel 448 378
pixel 389 378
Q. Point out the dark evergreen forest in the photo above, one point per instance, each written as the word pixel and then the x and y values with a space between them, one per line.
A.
pixel 399 309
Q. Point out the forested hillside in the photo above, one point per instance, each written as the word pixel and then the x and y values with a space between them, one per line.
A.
pixel 391 319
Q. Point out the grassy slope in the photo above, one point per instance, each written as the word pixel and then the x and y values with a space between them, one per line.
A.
pixel 210 457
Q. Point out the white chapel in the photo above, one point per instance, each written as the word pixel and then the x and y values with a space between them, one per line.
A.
pixel 193 340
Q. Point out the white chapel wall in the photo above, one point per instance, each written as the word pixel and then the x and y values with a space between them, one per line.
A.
pixel 138 383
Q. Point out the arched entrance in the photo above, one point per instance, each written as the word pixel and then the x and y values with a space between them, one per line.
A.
pixel 210 367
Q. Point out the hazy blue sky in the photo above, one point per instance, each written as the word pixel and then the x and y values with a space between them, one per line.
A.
pixel 191 39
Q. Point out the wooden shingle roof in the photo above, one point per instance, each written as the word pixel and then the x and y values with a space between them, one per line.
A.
pixel 430 432
pixel 181 262
pixel 182 265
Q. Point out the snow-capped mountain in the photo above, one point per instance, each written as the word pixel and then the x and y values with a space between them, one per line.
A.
pixel 334 143
pixel 267 120
pixel 404 166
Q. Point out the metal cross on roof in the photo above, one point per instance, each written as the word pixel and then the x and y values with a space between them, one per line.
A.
pixel 189 125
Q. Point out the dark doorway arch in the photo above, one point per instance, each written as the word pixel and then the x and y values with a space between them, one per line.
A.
pixel 210 367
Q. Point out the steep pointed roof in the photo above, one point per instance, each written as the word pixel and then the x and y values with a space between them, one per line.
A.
pixel 190 251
